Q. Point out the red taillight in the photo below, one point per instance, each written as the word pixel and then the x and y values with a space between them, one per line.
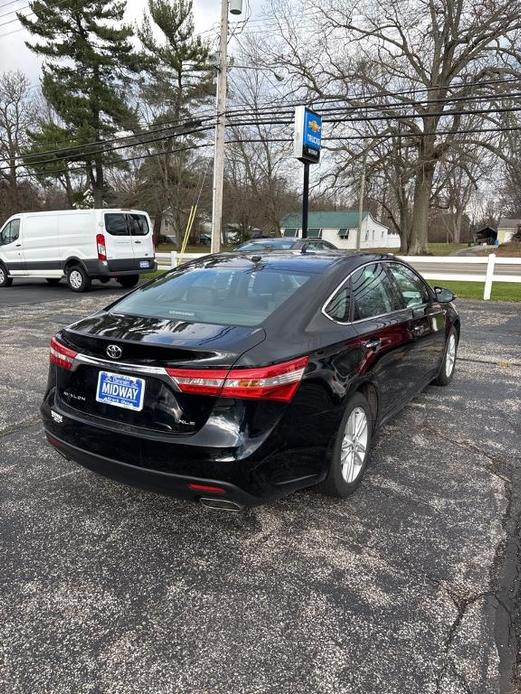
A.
pixel 102 249
pixel 277 382
pixel 206 488
pixel 61 355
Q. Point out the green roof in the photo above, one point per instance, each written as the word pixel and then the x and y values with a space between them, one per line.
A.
pixel 341 219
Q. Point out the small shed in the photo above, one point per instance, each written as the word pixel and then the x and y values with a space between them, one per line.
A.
pixel 486 235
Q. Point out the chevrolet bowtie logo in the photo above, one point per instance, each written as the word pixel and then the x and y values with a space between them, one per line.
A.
pixel 314 126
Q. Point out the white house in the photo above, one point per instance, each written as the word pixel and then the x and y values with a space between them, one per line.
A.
pixel 507 228
pixel 340 229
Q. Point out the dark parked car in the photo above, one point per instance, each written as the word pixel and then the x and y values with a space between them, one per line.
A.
pixel 237 379
pixel 285 244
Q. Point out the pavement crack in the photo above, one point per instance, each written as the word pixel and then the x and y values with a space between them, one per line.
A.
pixel 24 424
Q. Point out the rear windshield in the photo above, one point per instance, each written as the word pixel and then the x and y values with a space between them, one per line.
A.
pixel 260 245
pixel 221 295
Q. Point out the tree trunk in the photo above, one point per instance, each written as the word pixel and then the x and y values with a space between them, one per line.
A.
pixel 99 185
pixel 158 220
pixel 418 243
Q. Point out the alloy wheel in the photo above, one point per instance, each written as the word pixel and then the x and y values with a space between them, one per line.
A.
pixel 450 357
pixel 354 445
pixel 76 279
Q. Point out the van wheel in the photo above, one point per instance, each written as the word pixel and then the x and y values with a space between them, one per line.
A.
pixel 128 281
pixel 5 280
pixel 351 451
pixel 52 281
pixel 77 279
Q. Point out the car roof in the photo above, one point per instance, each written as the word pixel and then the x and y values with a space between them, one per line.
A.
pixel 315 262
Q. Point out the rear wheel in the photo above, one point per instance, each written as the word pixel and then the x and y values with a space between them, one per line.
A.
pixel 5 280
pixel 53 281
pixel 449 360
pixel 128 281
pixel 351 450
pixel 77 279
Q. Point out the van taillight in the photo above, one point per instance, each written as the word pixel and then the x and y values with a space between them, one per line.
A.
pixel 277 382
pixel 102 249
pixel 61 355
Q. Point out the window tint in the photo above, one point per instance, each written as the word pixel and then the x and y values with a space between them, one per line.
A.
pixel 218 295
pixel 412 289
pixel 372 292
pixel 338 307
pixel 138 224
pixel 11 232
pixel 116 224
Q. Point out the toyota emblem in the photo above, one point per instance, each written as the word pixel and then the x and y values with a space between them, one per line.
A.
pixel 114 351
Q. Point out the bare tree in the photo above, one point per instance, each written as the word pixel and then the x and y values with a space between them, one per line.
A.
pixel 417 67
pixel 17 113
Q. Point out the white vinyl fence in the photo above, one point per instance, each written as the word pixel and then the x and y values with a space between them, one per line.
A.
pixel 441 265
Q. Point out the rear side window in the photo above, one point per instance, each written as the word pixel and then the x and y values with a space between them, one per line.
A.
pixel 138 224
pixel 413 290
pixel 116 224
pixel 339 306
pixel 218 295
pixel 372 292
pixel 11 232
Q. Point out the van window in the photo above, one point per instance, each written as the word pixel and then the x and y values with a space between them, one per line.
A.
pixel 138 224
pixel 116 224
pixel 10 232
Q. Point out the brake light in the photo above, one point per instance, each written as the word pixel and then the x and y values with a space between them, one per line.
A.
pixel 277 382
pixel 102 249
pixel 206 488
pixel 61 355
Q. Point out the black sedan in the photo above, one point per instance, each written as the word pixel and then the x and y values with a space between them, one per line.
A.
pixel 235 379
pixel 285 243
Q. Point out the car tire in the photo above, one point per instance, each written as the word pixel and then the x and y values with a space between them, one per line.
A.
pixel 104 280
pixel 5 280
pixel 128 281
pixel 448 363
pixel 77 279
pixel 351 449
pixel 52 281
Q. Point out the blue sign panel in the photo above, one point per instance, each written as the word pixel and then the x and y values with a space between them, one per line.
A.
pixel 312 130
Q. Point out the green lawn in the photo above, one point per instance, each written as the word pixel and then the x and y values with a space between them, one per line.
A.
pixel 501 291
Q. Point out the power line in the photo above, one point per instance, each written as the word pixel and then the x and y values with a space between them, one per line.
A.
pixel 267 112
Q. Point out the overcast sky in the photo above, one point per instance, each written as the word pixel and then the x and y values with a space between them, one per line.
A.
pixel 14 55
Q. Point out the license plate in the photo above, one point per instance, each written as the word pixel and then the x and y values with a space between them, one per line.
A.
pixel 144 263
pixel 121 391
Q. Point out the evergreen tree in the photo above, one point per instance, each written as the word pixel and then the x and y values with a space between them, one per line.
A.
pixel 178 78
pixel 88 64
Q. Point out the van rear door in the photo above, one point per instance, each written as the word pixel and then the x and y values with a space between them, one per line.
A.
pixel 118 242
pixel 141 235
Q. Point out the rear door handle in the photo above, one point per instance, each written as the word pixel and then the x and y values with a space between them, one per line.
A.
pixel 18 245
pixel 137 241
pixel 373 343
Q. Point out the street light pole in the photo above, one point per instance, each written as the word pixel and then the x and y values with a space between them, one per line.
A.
pixel 218 165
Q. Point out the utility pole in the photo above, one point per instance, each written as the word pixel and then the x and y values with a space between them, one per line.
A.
pixel 218 164
pixel 361 204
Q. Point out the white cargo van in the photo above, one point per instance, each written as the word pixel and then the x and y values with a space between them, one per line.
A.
pixel 80 245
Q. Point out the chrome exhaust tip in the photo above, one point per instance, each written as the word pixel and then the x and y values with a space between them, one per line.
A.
pixel 221 504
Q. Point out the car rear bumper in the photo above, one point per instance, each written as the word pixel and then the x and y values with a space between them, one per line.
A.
pixel 248 475
pixel 154 480
pixel 119 268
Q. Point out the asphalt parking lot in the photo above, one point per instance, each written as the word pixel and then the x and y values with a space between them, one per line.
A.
pixel 409 586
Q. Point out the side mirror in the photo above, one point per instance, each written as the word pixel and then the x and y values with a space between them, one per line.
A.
pixel 444 296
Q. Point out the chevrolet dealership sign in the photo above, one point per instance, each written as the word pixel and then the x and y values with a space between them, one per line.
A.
pixel 308 135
